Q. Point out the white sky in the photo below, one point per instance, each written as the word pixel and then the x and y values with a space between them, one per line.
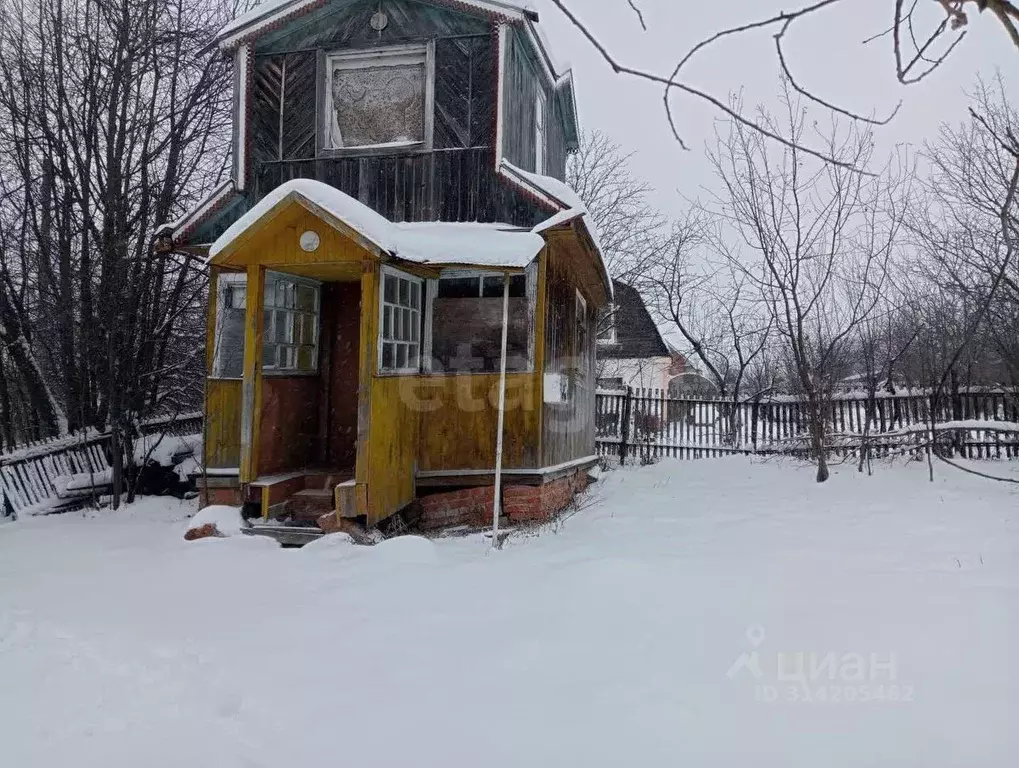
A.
pixel 825 54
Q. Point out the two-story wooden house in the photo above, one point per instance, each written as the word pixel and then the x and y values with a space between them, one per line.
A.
pixel 395 256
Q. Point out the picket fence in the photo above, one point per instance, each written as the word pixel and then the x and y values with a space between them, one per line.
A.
pixel 31 475
pixel 646 424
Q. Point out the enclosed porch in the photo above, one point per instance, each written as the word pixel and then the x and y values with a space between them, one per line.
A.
pixel 356 365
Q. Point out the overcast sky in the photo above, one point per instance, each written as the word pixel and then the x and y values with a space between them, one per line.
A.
pixel 825 54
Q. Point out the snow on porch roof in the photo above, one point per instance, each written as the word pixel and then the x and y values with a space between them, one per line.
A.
pixel 560 195
pixel 473 244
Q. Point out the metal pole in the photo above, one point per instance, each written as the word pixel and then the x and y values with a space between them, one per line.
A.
pixel 496 506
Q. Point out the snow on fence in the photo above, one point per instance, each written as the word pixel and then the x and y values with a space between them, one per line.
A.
pixel 41 475
pixel 646 423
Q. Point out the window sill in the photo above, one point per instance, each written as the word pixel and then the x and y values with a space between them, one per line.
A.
pixel 447 374
pixel 272 374
pixel 397 148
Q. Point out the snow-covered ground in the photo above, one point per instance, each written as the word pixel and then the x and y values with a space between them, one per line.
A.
pixel 663 624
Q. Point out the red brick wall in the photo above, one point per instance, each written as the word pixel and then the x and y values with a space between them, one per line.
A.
pixel 520 503
pixel 471 506
pixel 523 503
pixel 230 497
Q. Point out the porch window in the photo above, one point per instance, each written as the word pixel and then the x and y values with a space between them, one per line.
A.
pixel 291 316
pixel 400 323
pixel 466 322
pixel 228 345
pixel 379 98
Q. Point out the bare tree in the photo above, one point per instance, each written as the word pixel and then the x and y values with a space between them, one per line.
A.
pixel 713 310
pixel 618 202
pixel 814 239
pixel 922 35
pixel 113 116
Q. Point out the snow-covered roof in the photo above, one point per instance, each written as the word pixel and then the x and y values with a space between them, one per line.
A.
pixel 271 12
pixel 560 195
pixel 179 227
pixel 492 245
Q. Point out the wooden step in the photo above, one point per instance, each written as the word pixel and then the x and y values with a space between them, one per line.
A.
pixel 326 479
pixel 310 504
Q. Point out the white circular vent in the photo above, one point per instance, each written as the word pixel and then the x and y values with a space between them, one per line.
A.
pixel 379 21
pixel 310 241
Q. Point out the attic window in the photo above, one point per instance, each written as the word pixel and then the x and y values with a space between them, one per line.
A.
pixel 378 98
pixel 607 326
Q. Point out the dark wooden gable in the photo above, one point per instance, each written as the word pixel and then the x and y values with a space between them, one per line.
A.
pixel 637 336
pixel 345 24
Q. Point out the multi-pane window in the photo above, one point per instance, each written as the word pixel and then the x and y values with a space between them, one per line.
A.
pixel 400 323
pixel 231 300
pixel 466 323
pixel 540 116
pixel 290 333
pixel 377 98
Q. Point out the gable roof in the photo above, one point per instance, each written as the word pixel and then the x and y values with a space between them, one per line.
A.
pixel 637 336
pixel 271 14
pixel 430 242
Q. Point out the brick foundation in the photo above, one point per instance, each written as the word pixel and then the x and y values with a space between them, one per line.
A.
pixel 470 506
pixel 230 497
pixel 540 503
pixel 520 503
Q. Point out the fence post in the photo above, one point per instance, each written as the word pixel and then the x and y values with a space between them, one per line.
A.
pixel 624 432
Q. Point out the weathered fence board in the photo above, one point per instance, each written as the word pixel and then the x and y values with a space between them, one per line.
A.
pixel 648 424
pixel 29 473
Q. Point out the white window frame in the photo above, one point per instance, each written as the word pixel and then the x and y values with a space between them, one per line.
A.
pixel 380 338
pixel 610 318
pixel 226 281
pixel 540 129
pixel 530 291
pixel 290 314
pixel 371 59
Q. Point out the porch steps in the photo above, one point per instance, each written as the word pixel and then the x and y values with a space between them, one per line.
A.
pixel 310 504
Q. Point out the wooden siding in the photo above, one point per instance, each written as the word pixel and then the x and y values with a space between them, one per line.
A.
pixel 523 78
pixel 387 427
pixel 459 419
pixel 276 244
pixel 288 433
pixel 465 77
pixel 444 185
pixel 284 107
pixel 394 444
pixel 568 428
pixel 251 390
pixel 223 424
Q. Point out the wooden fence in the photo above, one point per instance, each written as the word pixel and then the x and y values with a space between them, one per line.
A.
pixel 31 475
pixel 645 424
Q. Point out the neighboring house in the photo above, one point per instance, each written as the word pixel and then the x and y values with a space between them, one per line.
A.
pixel 397 205
pixel 631 351
pixel 687 380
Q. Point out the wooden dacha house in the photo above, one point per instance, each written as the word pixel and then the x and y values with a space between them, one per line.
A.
pixel 404 290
